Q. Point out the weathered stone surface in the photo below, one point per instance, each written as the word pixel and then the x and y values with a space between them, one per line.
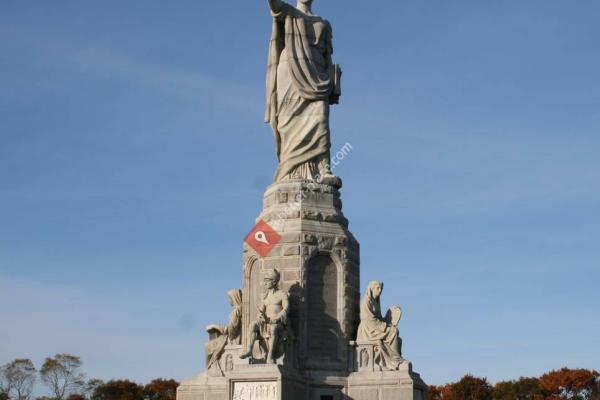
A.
pixel 324 328
pixel 291 250
pixel 291 237
pixel 292 276
pixel 203 387
pixel 402 384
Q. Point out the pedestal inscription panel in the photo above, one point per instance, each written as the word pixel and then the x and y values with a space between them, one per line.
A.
pixel 255 391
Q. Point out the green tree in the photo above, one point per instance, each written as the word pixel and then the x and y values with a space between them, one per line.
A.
pixel 62 374
pixel 118 390
pixel 520 389
pixel 161 389
pixel 19 377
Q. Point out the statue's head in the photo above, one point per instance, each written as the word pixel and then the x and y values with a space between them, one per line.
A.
pixel 306 2
pixel 374 289
pixel 271 278
pixel 235 297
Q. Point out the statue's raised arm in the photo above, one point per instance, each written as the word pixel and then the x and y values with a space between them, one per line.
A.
pixel 275 5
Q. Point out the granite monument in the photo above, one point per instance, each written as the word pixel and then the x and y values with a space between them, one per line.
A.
pixel 298 329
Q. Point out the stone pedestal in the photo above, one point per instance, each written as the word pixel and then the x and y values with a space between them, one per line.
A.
pixel 370 382
pixel 318 259
pixel 265 382
pixel 275 382
pixel 203 387
pixel 403 384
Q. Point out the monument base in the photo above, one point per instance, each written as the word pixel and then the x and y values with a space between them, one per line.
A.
pixel 203 387
pixel 403 384
pixel 267 382
pixel 247 381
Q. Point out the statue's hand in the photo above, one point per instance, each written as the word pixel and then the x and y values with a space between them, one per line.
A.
pixel 275 5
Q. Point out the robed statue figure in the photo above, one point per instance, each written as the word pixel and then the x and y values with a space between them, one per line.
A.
pixel 222 335
pixel 383 332
pixel 302 82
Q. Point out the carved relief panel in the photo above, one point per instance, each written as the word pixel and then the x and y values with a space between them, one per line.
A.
pixel 255 391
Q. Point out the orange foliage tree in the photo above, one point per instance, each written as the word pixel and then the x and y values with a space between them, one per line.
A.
pixel 439 392
pixel 468 388
pixel 563 384
pixel 570 384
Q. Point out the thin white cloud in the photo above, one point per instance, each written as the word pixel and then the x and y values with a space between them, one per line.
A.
pixel 103 62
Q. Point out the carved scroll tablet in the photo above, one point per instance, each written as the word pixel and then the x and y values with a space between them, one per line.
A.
pixel 393 315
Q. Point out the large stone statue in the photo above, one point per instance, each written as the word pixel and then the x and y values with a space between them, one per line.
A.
pixel 381 331
pixel 222 335
pixel 302 82
pixel 310 253
pixel 272 319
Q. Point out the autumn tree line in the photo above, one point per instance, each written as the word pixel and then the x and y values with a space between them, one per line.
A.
pixel 64 379
pixel 562 384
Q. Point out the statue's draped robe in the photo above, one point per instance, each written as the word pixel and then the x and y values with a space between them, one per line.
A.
pixel 373 328
pixel 231 333
pixel 299 86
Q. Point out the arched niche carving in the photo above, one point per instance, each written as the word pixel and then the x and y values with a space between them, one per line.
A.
pixel 252 294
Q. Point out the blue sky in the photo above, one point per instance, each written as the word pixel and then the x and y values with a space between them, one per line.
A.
pixel 133 158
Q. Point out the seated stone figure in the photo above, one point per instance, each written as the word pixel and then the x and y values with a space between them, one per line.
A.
pixel 222 335
pixel 271 326
pixel 381 332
